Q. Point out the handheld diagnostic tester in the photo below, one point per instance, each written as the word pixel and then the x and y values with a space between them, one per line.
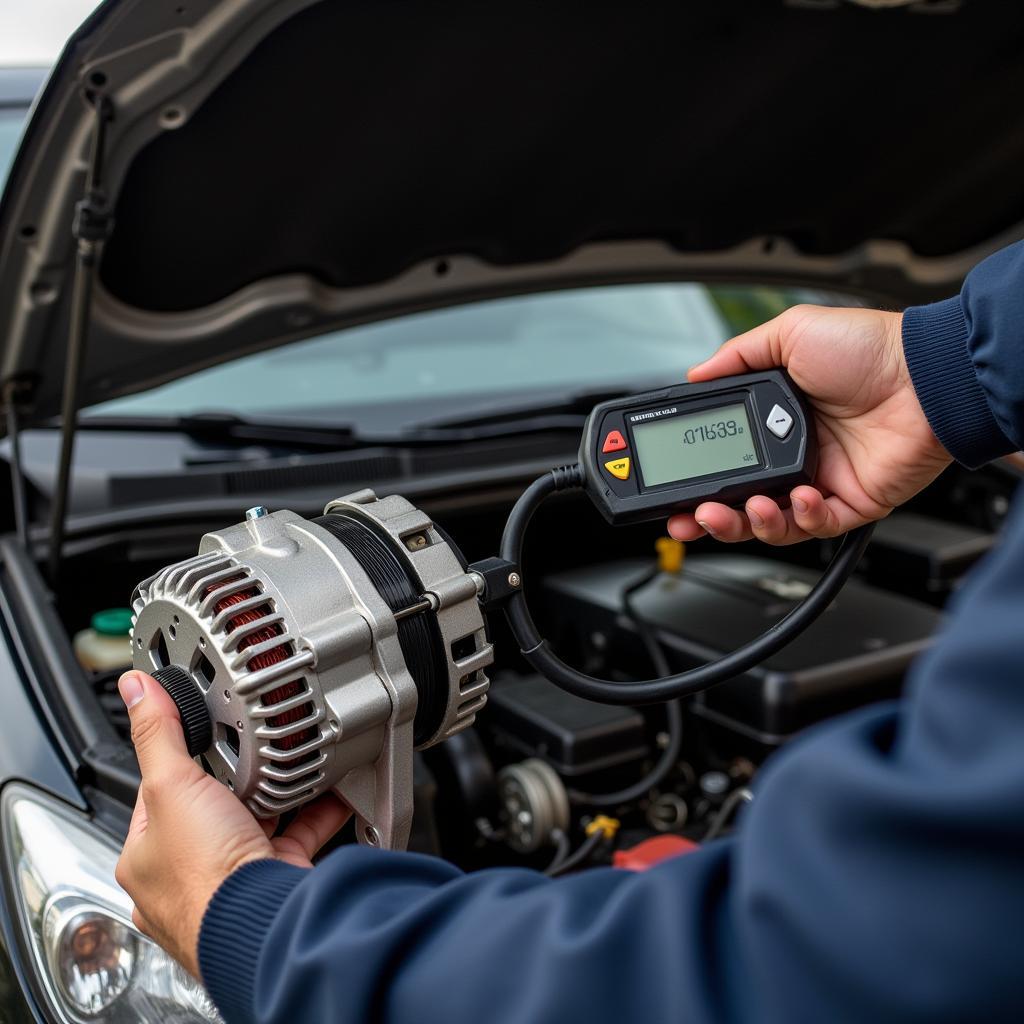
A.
pixel 649 455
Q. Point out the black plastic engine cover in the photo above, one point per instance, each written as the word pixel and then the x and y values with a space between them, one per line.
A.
pixel 857 652
pixel 532 718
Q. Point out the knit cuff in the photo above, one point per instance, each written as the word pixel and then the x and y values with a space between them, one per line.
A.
pixel 935 346
pixel 234 926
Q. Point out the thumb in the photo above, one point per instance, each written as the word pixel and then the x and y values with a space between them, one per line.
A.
pixel 757 349
pixel 156 727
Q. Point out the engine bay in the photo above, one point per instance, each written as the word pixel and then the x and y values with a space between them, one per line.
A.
pixel 527 781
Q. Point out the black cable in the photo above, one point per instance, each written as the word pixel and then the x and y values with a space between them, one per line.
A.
pixel 561 851
pixel 673 713
pixel 583 853
pixel 652 691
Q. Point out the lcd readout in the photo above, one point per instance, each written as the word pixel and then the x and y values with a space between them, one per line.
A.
pixel 701 444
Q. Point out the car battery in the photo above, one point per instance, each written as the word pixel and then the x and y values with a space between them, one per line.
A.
pixel 856 652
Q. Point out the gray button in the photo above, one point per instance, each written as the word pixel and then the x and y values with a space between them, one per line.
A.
pixel 779 422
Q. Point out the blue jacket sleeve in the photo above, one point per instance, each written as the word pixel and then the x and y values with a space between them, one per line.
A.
pixel 876 877
pixel 966 359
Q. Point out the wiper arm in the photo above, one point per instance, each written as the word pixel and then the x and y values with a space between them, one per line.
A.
pixel 550 413
pixel 220 427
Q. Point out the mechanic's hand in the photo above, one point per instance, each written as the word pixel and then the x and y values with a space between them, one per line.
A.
pixel 189 832
pixel 876 447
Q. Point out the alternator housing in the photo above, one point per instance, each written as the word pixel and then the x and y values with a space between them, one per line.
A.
pixel 313 671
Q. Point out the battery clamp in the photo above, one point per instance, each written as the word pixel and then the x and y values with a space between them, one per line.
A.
pixel 314 655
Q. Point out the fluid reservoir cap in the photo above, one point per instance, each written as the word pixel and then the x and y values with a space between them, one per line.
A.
pixel 112 621
pixel 195 719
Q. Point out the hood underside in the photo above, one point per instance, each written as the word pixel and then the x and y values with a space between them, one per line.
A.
pixel 281 167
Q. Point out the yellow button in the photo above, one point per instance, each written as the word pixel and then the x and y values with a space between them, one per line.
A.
pixel 619 468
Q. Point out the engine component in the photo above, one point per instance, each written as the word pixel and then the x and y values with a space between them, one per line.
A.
pixel 857 652
pixel 649 852
pixel 322 653
pixel 535 806
pixel 923 556
pixel 527 715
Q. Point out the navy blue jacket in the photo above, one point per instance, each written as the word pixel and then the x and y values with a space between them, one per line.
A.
pixel 877 877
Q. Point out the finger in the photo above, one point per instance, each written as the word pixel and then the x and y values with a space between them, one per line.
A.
pixel 722 522
pixel 156 728
pixel 772 524
pixel 757 349
pixel 269 825
pixel 315 824
pixel 822 517
pixel 685 528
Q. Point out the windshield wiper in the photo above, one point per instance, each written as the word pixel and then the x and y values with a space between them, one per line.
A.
pixel 218 428
pixel 221 428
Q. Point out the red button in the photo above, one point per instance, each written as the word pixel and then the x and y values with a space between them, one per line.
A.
pixel 614 442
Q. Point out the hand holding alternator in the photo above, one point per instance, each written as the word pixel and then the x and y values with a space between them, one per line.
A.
pixel 189 832
pixel 876 448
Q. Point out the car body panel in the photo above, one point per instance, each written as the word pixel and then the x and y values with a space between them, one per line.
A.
pixel 278 168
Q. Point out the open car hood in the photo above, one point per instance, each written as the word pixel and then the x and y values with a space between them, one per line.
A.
pixel 277 168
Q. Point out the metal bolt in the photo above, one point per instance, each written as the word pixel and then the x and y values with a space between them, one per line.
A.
pixel 256 512
pixel 514 579
pixel 714 784
pixel 416 541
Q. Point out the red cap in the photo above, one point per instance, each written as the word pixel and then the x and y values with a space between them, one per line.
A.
pixel 652 851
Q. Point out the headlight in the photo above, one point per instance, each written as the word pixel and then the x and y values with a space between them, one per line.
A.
pixel 76 920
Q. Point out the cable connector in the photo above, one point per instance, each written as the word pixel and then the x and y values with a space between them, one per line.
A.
pixel 496 581
pixel 568 478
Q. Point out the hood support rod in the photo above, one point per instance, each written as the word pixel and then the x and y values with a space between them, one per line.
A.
pixel 91 227
pixel 18 492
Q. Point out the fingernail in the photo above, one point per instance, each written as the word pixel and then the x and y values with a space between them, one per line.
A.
pixel 800 505
pixel 131 689
pixel 756 521
pixel 707 529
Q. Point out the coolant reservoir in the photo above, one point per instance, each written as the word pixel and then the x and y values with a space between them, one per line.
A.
pixel 106 645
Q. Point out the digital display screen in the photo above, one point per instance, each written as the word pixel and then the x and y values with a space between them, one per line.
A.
pixel 680 448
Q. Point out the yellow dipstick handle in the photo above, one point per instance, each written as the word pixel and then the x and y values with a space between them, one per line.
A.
pixel 602 823
pixel 671 554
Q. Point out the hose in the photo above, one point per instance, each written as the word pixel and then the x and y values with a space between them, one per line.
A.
pixel 673 714
pixel 582 854
pixel 654 691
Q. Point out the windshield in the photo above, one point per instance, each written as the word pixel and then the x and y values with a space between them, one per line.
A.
pixel 491 354
pixel 11 121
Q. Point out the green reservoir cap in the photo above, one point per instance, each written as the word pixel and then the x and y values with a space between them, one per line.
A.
pixel 113 621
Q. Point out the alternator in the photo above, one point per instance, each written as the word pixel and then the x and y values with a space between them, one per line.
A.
pixel 310 655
